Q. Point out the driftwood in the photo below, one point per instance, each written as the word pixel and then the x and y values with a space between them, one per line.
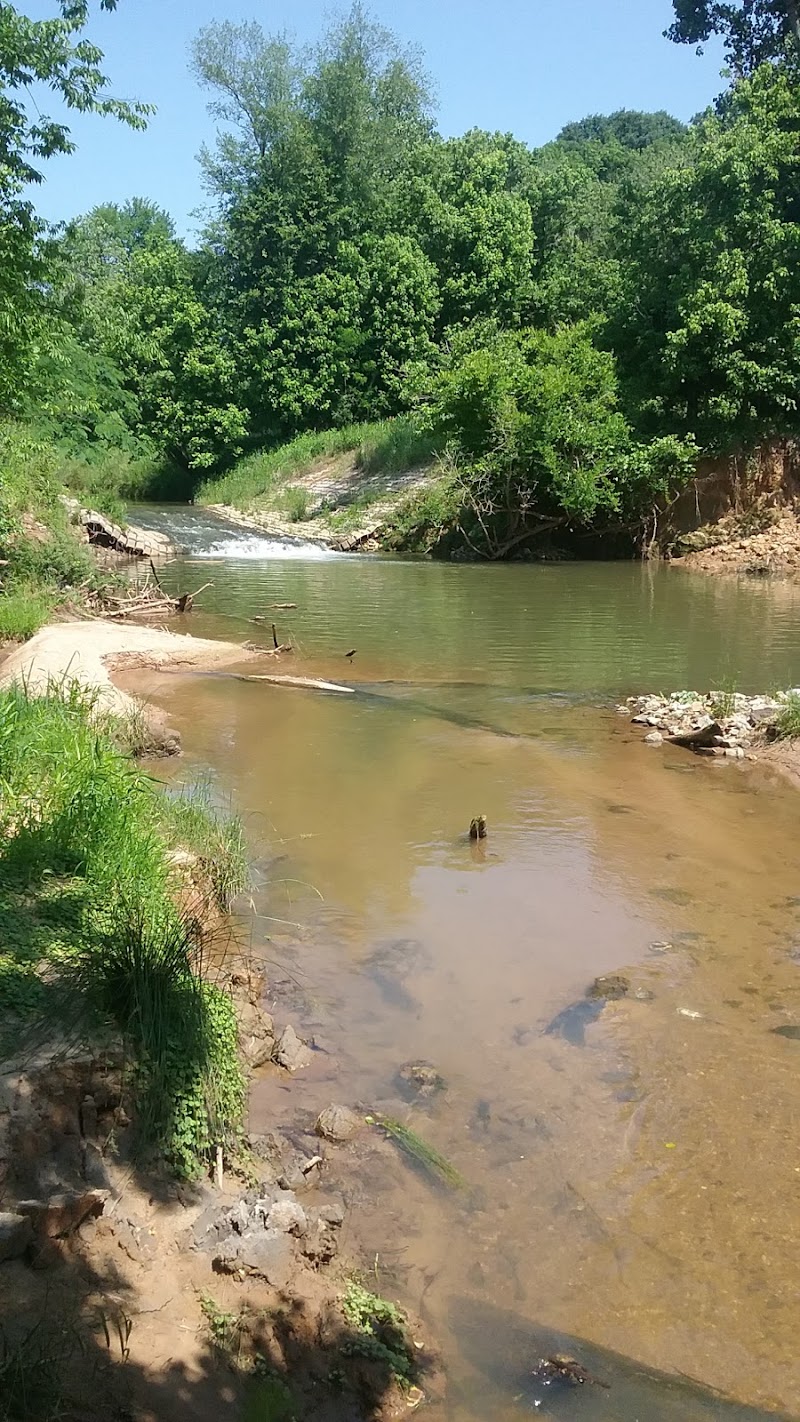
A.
pixel 702 737
pixel 309 682
pixel 144 600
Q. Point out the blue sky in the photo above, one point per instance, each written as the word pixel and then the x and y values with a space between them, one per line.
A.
pixel 524 66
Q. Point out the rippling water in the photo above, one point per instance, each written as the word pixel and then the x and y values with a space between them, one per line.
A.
pixel 632 1183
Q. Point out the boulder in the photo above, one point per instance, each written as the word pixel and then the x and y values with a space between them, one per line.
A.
pixel 287 1217
pixel 290 1052
pixel 420 1079
pixel 338 1124
pixel 269 1254
pixel 16 1233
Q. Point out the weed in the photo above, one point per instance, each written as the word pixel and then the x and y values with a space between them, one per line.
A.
pixel 226 1329
pixel 295 502
pixel 723 701
pixel 378 1331
pixel 787 722
pixel 420 1151
pixel 24 608
pixel 218 840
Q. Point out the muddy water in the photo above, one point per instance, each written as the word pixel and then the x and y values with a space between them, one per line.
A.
pixel 632 1179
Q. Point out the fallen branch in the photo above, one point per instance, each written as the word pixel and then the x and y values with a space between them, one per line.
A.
pixel 309 682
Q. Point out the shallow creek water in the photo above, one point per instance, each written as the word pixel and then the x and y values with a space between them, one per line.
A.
pixel 635 1183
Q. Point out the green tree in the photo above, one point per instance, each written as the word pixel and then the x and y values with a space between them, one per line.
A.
pixel 753 31
pixel 55 53
pixel 629 127
pixel 709 326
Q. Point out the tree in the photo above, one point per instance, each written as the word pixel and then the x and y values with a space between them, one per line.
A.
pixel 708 330
pixel 51 52
pixel 629 127
pixel 753 31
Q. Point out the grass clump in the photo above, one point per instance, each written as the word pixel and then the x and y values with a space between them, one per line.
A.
pixel 295 502
pixel 420 1151
pixel 787 722
pixel 92 932
pixel 24 608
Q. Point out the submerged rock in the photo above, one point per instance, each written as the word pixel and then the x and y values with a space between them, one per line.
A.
pixel 338 1124
pixel 290 1051
pixel 608 987
pixel 420 1079
pixel 572 1021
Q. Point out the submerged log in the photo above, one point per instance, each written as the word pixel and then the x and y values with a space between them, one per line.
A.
pixel 310 682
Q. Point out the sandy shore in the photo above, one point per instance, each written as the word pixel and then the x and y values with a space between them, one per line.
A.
pixel 91 652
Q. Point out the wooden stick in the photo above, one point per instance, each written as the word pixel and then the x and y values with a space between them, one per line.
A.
pixel 307 681
pixel 274 636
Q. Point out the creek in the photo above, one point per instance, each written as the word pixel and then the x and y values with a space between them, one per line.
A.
pixel 633 1182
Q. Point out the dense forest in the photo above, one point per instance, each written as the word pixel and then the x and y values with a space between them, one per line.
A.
pixel 569 327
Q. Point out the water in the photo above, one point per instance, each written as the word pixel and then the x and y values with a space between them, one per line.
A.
pixel 631 1186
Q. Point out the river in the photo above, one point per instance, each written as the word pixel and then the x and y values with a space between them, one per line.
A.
pixel 631 1180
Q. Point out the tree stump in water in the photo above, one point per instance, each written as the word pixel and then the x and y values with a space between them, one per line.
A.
pixel 477 828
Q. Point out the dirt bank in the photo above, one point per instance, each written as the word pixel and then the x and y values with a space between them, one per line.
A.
pixel 764 541
pixel 90 652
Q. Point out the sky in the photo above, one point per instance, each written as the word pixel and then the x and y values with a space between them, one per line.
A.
pixel 521 66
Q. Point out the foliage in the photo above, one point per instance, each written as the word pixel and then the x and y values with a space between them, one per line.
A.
pixel 113 945
pixel 753 31
pixel 53 53
pixel 629 127
pixel 378 1331
pixel 708 319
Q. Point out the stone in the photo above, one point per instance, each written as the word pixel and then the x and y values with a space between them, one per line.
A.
pixel 287 1217
pixel 135 1241
pixel 61 1214
pixel 608 987
pixel 654 738
pixel 256 1035
pixel 338 1124
pixel 290 1052
pixel 320 1244
pixel 420 1078
pixel 16 1233
pixel 332 1213
pixel 270 1255
pixel 93 1167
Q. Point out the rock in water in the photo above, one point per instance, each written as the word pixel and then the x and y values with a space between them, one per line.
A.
pixel 420 1079
pixel 477 828
pixel 608 987
pixel 338 1124
pixel 290 1052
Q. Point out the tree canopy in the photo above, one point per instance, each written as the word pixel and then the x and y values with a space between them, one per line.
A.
pixel 753 31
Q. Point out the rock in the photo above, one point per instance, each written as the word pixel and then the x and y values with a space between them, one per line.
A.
pixel 609 987
pixel 256 1035
pixel 290 1052
pixel 572 1022
pixel 270 1255
pixel 93 1167
pixel 287 1217
pixel 320 1244
pixel 16 1233
pixel 135 1241
pixel 654 738
pixel 332 1213
pixel 338 1124
pixel 420 1078
pixel 61 1214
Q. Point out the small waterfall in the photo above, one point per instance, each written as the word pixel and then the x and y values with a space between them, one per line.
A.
pixel 198 533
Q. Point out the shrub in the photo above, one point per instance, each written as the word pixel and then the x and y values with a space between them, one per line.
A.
pixel 23 610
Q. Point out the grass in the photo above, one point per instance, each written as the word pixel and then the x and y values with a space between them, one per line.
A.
pixel 91 930
pixel 386 446
pixel 421 1151
pixel 379 1331
pixel 24 608
pixel 787 722
pixel 295 502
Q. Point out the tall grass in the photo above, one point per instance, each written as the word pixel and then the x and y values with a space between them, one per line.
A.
pixel 386 446
pixel 787 723
pixel 76 813
pixel 23 610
